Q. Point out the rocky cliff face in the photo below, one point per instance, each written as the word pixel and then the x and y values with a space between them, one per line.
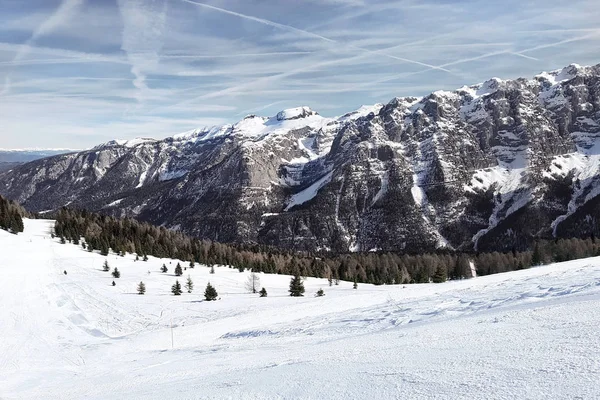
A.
pixel 488 166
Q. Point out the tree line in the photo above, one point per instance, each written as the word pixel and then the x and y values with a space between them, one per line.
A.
pixel 127 235
pixel 11 216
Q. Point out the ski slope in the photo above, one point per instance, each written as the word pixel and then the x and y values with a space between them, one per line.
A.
pixel 530 334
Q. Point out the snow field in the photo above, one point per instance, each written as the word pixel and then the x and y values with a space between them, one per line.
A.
pixel 527 334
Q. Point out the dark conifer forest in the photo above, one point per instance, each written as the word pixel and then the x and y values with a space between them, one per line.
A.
pixel 11 216
pixel 127 235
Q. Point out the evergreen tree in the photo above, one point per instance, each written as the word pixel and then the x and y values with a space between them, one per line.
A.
pixel 440 274
pixel 330 280
pixel 355 285
pixel 536 257
pixel 212 269
pixel 189 284
pixel 192 265
pixel 263 292
pixel 210 293
pixel 320 293
pixel 145 257
pixel 178 270
pixel 176 288
pixel 116 273
pixel 105 266
pixel 113 283
pixel 141 288
pixel 164 269
pixel 137 257
pixel 296 286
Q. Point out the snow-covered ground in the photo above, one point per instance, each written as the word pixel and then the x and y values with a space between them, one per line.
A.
pixel 530 334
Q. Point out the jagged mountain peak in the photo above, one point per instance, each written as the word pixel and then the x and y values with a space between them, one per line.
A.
pixel 462 169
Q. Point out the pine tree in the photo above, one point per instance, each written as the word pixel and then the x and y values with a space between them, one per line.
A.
pixel 355 285
pixel 320 293
pixel 113 283
pixel 105 267
pixel 116 273
pixel 192 265
pixel 212 269
pixel 440 274
pixel 536 257
pixel 263 292
pixel 296 286
pixel 210 293
pixel 137 257
pixel 330 280
pixel 189 284
pixel 164 269
pixel 141 288
pixel 176 288
pixel 178 270
pixel 145 257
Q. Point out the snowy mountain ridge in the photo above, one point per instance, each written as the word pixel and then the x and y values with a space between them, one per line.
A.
pixel 488 166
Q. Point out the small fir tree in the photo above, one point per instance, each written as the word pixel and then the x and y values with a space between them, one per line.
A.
pixel 176 288
pixel 212 269
pixel 189 284
pixel 116 273
pixel 105 266
pixel 192 265
pixel 296 286
pixel 113 283
pixel 263 292
pixel 320 293
pixel 164 269
pixel 141 288
pixel 355 285
pixel 178 270
pixel 210 293
pixel 145 257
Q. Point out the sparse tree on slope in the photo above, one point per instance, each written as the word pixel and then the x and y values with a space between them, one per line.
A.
pixel 141 288
pixel 320 293
pixel 253 282
pixel 189 284
pixel 178 270
pixel 176 288
pixel 210 293
pixel 164 269
pixel 116 273
pixel 296 286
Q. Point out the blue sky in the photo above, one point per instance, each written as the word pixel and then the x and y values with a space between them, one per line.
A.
pixel 75 73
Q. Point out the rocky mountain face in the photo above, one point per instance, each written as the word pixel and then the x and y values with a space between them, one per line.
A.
pixel 486 167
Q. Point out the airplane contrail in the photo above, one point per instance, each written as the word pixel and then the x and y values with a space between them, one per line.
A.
pixel 311 34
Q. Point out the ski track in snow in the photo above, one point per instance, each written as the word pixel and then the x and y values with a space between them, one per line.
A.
pixel 527 334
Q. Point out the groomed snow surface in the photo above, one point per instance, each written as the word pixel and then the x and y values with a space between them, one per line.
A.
pixel 531 334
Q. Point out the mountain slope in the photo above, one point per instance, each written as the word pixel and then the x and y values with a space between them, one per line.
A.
pixel 487 166
pixel 522 334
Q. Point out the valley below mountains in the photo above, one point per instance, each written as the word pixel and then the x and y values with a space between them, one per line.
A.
pixel 485 167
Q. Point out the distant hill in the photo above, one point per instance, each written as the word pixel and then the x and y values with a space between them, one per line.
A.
pixel 11 158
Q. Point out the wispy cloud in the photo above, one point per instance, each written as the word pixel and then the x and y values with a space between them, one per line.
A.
pixel 86 71
pixel 144 24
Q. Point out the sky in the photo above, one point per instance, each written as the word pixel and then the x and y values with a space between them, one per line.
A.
pixel 76 73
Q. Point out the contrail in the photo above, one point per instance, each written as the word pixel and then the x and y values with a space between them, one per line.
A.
pixel 575 39
pixel 310 34
pixel 274 53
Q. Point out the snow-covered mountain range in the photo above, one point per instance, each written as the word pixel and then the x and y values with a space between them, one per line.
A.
pixel 488 166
